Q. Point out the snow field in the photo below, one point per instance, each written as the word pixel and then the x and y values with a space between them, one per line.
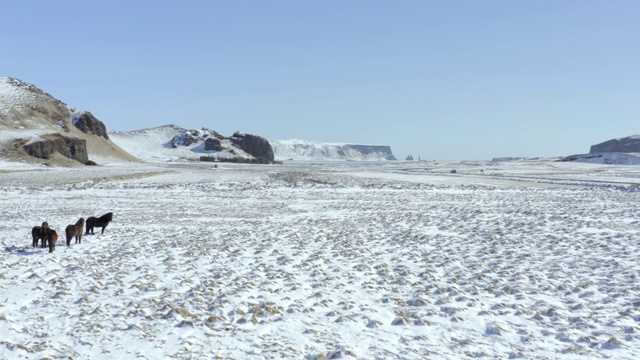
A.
pixel 272 262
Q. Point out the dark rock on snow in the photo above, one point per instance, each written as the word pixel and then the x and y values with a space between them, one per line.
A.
pixel 72 148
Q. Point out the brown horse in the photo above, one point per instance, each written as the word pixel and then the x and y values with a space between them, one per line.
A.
pixel 102 222
pixel 75 230
pixel 52 237
pixel 40 233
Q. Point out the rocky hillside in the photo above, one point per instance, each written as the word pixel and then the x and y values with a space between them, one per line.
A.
pixel 171 142
pixel 35 126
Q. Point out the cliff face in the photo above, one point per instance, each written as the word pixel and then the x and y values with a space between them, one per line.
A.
pixel 255 145
pixel 630 144
pixel 321 151
pixel 72 148
pixel 88 124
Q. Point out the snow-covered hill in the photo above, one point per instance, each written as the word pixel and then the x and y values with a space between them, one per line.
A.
pixel 315 150
pixel 28 115
pixel 172 143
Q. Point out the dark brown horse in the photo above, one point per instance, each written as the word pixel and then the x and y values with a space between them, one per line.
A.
pixel 102 222
pixel 75 230
pixel 39 233
pixel 52 237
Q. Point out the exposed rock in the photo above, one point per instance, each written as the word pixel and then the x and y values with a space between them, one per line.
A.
pixel 88 124
pixel 190 137
pixel 72 148
pixel 213 144
pixel 410 158
pixel 627 144
pixel 254 145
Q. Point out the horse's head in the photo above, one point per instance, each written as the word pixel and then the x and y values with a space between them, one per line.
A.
pixel 45 225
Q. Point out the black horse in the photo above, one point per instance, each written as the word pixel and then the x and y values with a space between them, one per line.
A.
pixel 102 222
pixel 40 233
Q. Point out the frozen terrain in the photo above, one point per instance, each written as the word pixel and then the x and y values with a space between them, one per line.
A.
pixel 394 260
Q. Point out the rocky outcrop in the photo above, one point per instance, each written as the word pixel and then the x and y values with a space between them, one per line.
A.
pixel 72 148
pixel 88 124
pixel 630 144
pixel 254 145
pixel 213 144
pixel 190 137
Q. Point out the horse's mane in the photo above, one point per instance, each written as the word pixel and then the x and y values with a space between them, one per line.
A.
pixel 106 217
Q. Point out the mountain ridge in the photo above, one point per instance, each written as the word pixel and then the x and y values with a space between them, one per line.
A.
pixel 35 126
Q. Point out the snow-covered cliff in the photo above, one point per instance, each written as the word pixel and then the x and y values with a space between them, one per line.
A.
pixel 304 150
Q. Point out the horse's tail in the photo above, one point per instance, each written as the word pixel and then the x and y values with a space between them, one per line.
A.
pixel 88 223
pixel 70 232
pixel 53 238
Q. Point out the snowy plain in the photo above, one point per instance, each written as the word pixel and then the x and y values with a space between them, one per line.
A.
pixel 391 260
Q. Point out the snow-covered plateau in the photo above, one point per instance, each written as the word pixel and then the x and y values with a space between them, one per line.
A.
pixel 306 150
pixel 394 260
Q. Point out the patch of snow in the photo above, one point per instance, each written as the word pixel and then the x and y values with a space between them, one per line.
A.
pixel 312 261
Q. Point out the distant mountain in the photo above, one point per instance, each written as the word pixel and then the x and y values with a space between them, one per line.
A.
pixel 35 126
pixel 171 142
pixel 302 150
pixel 621 151
pixel 629 144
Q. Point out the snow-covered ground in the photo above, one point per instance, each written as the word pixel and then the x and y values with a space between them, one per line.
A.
pixel 395 260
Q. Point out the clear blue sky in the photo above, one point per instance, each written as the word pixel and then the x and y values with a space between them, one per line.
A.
pixel 436 79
